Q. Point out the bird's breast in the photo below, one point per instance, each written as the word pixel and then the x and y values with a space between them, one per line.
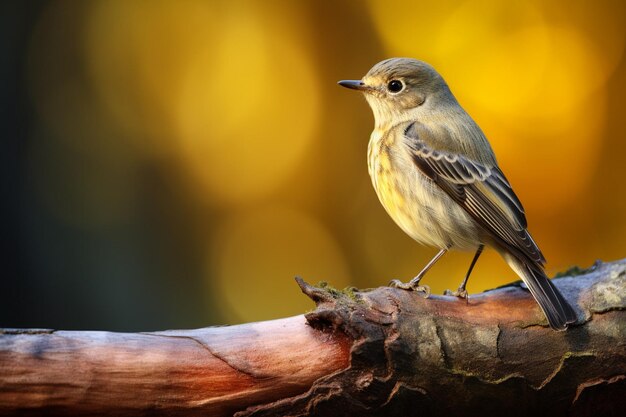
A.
pixel 396 184
pixel 413 201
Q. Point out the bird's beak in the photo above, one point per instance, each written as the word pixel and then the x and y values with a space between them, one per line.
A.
pixel 355 85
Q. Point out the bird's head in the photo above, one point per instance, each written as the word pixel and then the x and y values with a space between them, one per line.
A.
pixel 397 87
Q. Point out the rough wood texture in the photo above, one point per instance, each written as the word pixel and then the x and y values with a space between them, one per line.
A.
pixel 383 352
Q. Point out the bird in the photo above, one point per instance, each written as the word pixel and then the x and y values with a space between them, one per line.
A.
pixel 436 175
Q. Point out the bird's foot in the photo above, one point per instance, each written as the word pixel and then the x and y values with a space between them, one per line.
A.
pixel 410 286
pixel 461 293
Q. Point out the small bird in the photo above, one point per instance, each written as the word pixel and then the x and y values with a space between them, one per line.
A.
pixel 437 176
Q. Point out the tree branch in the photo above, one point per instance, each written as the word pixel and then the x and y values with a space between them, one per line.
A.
pixel 382 352
pixel 213 371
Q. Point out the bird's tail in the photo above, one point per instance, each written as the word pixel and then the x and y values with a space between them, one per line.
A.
pixel 557 310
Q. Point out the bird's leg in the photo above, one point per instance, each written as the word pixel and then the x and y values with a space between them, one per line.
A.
pixel 462 292
pixel 414 283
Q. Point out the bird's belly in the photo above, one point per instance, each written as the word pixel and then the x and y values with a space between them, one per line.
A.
pixel 423 210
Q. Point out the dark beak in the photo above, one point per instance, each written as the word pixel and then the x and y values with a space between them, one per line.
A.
pixel 354 85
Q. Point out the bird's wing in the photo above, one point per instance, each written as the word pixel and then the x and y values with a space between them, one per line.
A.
pixel 482 190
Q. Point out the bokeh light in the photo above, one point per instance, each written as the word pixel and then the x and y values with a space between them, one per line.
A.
pixel 208 81
pixel 268 242
pixel 245 120
pixel 182 161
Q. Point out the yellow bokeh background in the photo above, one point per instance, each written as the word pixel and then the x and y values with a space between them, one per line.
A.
pixel 233 106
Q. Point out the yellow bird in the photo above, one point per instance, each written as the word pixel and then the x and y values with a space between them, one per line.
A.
pixel 437 176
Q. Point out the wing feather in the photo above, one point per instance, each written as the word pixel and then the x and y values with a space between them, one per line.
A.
pixel 482 190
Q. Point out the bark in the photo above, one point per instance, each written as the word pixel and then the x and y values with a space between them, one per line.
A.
pixel 380 352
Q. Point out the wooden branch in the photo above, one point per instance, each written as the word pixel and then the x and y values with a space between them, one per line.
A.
pixel 206 372
pixel 382 352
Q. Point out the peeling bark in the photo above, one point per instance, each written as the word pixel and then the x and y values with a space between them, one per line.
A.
pixel 492 355
pixel 382 352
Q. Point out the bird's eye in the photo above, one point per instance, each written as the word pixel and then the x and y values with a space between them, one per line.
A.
pixel 395 86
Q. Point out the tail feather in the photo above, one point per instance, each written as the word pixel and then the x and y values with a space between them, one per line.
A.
pixel 557 310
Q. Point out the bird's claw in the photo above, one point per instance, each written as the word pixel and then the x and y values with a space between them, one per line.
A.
pixel 396 283
pixel 461 293
pixel 410 286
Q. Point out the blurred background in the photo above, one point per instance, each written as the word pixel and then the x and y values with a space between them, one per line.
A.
pixel 174 164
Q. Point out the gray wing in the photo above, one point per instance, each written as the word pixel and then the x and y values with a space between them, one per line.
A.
pixel 482 190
